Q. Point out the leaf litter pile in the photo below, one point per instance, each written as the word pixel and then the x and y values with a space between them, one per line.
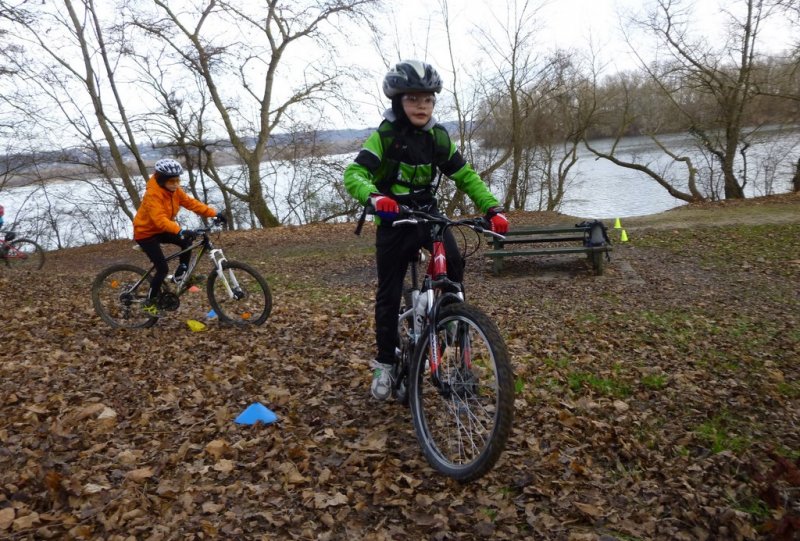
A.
pixel 658 401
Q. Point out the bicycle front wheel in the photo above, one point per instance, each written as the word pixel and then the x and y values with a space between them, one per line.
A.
pixel 240 295
pixel 24 254
pixel 118 300
pixel 463 408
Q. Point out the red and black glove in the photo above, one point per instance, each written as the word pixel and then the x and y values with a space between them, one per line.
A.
pixel 498 220
pixel 385 207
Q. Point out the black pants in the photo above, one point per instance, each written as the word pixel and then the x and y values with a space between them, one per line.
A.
pixel 152 247
pixel 395 249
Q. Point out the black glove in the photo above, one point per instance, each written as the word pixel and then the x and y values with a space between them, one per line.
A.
pixel 187 234
pixel 221 218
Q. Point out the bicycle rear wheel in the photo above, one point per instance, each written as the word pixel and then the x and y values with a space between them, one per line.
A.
pixel 241 296
pixel 463 411
pixel 24 254
pixel 118 301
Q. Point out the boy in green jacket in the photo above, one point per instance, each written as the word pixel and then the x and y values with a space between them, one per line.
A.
pixel 397 166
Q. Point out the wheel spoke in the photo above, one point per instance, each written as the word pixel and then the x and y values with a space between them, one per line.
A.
pixel 118 300
pixel 463 415
pixel 241 295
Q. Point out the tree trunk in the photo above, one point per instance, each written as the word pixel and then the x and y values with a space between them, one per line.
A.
pixel 796 179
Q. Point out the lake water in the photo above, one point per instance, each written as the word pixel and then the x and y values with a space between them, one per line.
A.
pixel 598 189
pixel 602 189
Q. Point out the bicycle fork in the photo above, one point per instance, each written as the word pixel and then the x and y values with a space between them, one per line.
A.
pixel 218 258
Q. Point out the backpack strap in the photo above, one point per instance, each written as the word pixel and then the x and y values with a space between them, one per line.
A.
pixel 393 142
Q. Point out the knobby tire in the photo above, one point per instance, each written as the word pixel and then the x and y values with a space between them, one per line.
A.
pixel 255 306
pixel 463 421
pixel 116 305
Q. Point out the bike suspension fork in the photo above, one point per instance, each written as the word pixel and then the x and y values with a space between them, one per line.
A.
pixel 218 258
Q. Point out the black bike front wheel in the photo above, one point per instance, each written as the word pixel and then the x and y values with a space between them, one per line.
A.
pixel 118 299
pixel 463 407
pixel 240 296
pixel 24 254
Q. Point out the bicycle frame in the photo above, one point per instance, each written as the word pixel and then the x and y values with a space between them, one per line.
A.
pixel 436 286
pixel 205 247
pixel 10 251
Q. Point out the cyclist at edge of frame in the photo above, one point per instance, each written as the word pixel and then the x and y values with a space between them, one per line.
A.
pixel 154 224
pixel 397 166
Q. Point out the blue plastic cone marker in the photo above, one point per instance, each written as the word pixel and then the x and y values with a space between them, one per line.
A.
pixel 617 225
pixel 211 314
pixel 256 413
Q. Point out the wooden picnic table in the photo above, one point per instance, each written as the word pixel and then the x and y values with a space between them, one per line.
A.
pixel 591 236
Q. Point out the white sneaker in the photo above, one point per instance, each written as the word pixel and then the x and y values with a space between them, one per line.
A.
pixel 381 387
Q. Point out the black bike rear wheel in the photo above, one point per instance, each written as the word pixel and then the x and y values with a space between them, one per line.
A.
pixel 249 301
pixel 24 254
pixel 463 411
pixel 116 299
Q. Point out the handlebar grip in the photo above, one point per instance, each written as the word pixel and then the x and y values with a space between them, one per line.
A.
pixel 405 221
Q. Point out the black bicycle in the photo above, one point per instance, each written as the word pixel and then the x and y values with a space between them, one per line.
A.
pixel 237 293
pixel 454 367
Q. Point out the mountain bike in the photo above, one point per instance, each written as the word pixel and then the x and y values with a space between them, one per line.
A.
pixel 454 368
pixel 21 253
pixel 237 293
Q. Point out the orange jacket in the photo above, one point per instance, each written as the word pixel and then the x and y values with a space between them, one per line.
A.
pixel 159 207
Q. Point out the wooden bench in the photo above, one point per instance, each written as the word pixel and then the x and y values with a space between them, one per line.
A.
pixel 591 235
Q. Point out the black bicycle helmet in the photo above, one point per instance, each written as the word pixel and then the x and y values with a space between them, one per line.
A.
pixel 411 76
pixel 167 168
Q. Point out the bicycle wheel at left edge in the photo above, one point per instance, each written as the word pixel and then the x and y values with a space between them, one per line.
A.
pixel 464 411
pixel 24 254
pixel 243 297
pixel 117 302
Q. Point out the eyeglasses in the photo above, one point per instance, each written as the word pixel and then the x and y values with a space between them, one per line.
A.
pixel 418 99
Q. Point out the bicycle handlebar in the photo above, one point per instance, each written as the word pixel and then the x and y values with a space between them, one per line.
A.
pixel 479 225
pixel 203 230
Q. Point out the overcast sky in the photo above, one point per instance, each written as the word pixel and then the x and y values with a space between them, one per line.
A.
pixel 561 24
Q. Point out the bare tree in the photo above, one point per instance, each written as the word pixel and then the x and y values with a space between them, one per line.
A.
pixel 252 55
pixel 508 44
pixel 624 109
pixel 54 67
pixel 724 73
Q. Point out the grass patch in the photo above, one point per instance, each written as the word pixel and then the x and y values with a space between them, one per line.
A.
pixel 655 381
pixel 730 245
pixel 789 390
pixel 756 508
pixel 718 433
pixel 604 386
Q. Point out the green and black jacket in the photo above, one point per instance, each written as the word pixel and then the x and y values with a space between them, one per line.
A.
pixel 403 164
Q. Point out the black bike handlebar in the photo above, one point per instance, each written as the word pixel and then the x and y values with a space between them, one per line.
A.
pixel 203 230
pixel 479 225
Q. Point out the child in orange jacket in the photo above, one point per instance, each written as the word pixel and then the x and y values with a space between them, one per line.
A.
pixel 155 224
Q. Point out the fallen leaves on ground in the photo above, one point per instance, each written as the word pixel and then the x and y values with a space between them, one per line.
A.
pixel 654 402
